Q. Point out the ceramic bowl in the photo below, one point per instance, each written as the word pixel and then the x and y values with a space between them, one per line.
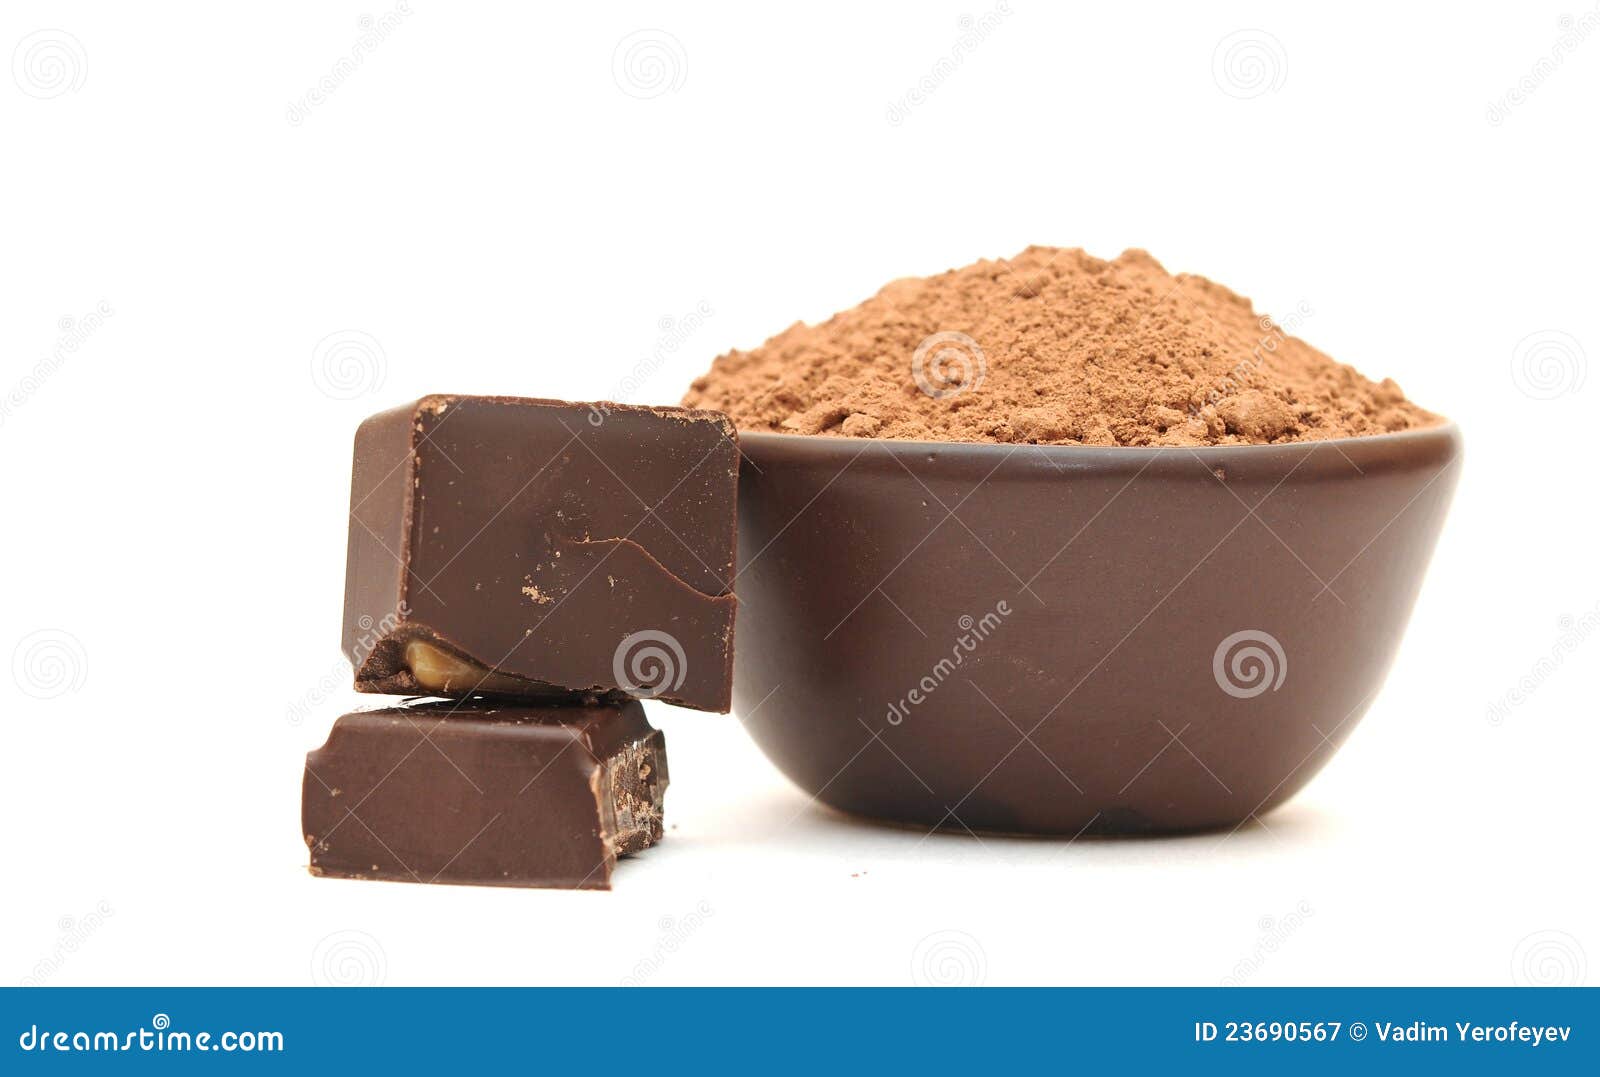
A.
pixel 1066 640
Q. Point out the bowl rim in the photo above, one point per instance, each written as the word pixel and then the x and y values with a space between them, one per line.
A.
pixel 1447 430
pixel 1436 446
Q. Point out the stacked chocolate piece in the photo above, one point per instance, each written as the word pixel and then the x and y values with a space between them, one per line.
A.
pixel 537 567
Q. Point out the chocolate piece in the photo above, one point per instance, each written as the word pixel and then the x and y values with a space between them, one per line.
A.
pixel 487 793
pixel 535 548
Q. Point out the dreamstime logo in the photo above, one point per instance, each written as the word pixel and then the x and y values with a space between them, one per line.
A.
pixel 1273 334
pixel 674 332
pixel 1549 959
pixel 1575 631
pixel 1548 364
pixel 1275 931
pixel 74 332
pixel 649 663
pixel 1574 32
pixel 974 32
pixel 974 630
pixel 1249 663
pixel 1249 63
pixel 649 63
pixel 949 959
pixel 348 364
pixel 947 364
pixel 338 677
pixel 675 931
pixel 158 1036
pixel 49 663
pixel 49 63
pixel 349 959
pixel 74 931
pixel 374 32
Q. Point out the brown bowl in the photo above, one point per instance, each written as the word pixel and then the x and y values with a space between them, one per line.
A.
pixel 1063 640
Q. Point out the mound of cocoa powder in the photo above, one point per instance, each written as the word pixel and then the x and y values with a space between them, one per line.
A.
pixel 1055 347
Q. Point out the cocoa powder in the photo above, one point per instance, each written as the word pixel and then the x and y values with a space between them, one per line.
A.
pixel 1053 347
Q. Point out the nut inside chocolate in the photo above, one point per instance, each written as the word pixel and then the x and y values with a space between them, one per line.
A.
pixel 437 670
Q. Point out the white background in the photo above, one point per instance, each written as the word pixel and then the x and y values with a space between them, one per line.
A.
pixel 503 208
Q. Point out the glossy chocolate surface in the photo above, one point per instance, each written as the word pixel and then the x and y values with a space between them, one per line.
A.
pixel 482 792
pixel 544 549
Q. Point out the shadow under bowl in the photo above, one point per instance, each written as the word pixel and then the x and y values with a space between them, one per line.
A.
pixel 1064 639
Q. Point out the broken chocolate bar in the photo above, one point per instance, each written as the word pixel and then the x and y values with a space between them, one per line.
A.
pixel 532 548
pixel 486 793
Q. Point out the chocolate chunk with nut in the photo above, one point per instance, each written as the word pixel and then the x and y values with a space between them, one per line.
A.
pixel 539 549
